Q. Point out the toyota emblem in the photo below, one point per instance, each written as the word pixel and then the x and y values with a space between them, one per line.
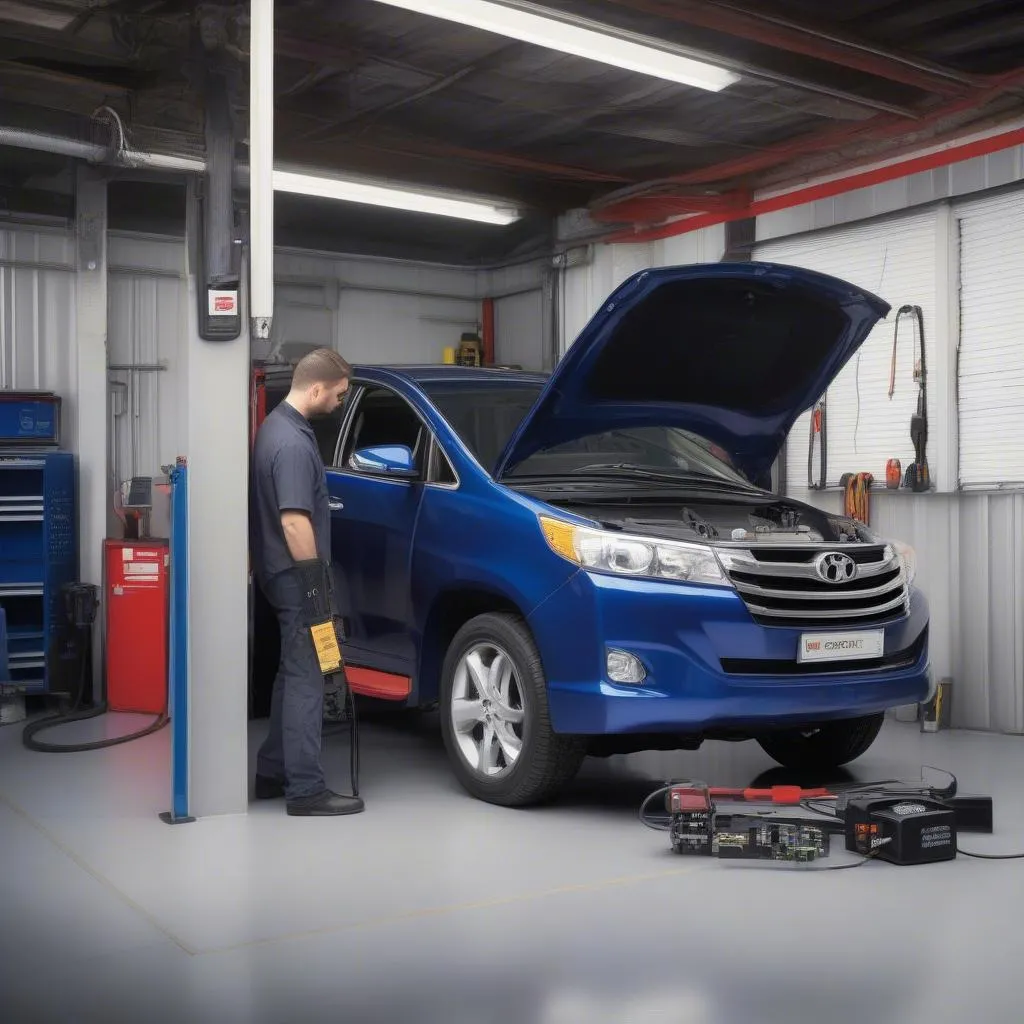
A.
pixel 834 567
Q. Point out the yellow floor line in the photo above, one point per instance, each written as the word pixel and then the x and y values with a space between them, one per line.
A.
pixel 373 922
pixel 93 873
pixel 453 908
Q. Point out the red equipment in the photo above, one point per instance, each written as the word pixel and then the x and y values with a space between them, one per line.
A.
pixel 137 623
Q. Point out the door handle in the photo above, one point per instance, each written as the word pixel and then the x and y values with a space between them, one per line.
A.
pixel 335 506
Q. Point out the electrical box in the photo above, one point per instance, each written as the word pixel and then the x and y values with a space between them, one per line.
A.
pixel 137 600
pixel 220 311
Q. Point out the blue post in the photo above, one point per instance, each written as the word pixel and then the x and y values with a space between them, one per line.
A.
pixel 178 667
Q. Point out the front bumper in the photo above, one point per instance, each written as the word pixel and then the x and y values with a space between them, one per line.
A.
pixel 709 665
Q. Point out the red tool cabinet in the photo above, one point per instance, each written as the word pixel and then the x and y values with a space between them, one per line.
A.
pixel 137 605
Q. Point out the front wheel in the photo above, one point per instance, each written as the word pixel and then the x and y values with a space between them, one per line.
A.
pixel 494 715
pixel 822 747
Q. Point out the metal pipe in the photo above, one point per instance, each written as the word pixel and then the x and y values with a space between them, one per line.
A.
pixel 22 138
pixel 261 168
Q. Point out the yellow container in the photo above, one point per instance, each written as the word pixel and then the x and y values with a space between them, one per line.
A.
pixel 449 355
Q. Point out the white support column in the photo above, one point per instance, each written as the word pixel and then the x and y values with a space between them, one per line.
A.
pixel 217 376
pixel 89 413
pixel 261 166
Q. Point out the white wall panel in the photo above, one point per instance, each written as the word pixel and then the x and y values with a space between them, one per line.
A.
pixel 895 259
pixel 991 364
pixel 37 315
pixel 380 311
pixel 519 330
pixel 398 328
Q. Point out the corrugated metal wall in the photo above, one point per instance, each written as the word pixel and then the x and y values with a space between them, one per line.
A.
pixel 970 550
pixel 962 179
pixel 147 319
pixel 37 314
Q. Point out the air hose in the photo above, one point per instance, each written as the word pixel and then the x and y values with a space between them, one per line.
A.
pixel 80 605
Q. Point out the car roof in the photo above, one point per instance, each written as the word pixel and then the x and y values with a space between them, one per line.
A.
pixel 446 373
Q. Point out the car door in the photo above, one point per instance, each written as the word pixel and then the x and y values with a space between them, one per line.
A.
pixel 373 520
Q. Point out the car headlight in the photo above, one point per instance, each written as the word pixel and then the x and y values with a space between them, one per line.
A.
pixel 908 557
pixel 640 557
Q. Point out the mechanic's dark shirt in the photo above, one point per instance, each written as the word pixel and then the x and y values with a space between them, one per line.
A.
pixel 287 475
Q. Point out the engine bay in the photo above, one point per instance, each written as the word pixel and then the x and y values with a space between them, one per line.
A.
pixel 741 518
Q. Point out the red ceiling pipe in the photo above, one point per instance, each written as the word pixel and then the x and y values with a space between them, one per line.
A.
pixel 828 189
pixel 875 128
pixel 793 38
pixel 488 332
pixel 655 208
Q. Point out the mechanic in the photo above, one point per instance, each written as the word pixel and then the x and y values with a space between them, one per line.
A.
pixel 290 530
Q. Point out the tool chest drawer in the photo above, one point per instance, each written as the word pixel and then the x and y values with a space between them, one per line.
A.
pixel 38 555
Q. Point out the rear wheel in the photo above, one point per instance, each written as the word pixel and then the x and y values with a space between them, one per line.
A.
pixel 822 747
pixel 494 715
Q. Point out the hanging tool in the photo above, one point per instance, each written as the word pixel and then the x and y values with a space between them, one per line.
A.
pixel 857 504
pixel 819 429
pixel 918 475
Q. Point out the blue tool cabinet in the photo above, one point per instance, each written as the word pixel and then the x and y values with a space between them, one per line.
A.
pixel 38 556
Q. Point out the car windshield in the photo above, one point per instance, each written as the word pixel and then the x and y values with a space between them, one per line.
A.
pixel 485 417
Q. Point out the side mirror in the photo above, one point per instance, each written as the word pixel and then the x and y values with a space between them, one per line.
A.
pixel 385 460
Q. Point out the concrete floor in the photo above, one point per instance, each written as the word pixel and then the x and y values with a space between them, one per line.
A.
pixel 432 907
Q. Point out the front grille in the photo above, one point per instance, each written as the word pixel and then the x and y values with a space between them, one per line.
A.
pixel 906 658
pixel 783 586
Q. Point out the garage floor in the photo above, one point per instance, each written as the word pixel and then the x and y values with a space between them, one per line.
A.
pixel 433 907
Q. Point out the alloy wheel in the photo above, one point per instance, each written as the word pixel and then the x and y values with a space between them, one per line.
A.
pixel 487 710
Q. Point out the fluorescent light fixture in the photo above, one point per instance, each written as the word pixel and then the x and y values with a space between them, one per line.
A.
pixel 39 17
pixel 353 191
pixel 578 36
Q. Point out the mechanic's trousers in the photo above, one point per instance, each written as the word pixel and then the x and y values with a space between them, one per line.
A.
pixel 291 750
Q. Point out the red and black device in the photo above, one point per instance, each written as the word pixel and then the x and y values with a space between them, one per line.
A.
pixel 137 601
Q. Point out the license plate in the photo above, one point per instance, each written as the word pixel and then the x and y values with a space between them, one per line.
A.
pixel 856 646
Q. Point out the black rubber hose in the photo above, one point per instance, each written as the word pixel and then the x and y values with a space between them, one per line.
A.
pixel 34 728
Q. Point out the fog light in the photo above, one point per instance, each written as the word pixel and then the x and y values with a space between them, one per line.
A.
pixel 624 667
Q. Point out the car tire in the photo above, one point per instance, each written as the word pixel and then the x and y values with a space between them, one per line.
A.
pixel 827 746
pixel 545 761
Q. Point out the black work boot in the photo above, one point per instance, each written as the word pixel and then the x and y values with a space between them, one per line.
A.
pixel 325 804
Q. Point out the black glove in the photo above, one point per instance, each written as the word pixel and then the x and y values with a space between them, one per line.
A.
pixel 317 614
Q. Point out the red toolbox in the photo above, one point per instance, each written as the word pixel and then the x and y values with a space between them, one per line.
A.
pixel 137 573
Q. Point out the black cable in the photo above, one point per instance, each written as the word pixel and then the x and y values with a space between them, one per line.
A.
pixel 74 715
pixel 990 856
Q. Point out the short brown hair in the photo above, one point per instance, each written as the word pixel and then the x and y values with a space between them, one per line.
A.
pixel 322 366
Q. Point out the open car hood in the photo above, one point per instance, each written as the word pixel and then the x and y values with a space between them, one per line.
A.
pixel 734 352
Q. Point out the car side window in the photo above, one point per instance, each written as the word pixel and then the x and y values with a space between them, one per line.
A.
pixel 383 418
pixel 441 471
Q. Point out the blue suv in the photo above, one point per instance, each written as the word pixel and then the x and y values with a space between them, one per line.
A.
pixel 593 562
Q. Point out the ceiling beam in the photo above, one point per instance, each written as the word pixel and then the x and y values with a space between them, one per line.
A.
pixel 361 120
pixel 821 44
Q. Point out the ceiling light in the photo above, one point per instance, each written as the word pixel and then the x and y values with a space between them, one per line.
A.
pixel 352 191
pixel 578 36
pixel 40 17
